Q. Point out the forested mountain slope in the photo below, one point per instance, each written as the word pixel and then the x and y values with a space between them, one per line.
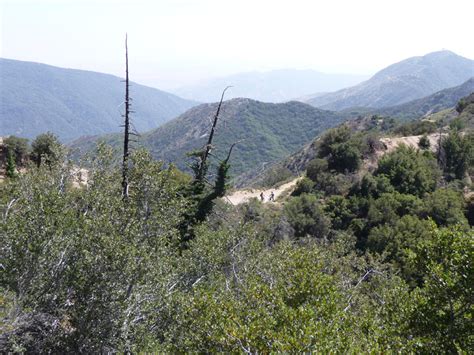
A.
pixel 385 133
pixel 36 98
pixel 266 132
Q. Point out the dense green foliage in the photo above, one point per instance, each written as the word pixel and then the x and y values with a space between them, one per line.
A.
pixel 424 142
pixel 458 152
pixel 10 166
pixel 361 259
pixel 409 171
pixel 45 149
pixel 18 147
pixel 340 150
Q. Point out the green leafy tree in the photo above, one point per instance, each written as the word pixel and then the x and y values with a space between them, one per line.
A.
pixel 341 151
pixel 397 241
pixel 331 138
pixel 459 154
pixel 342 210
pixel 18 147
pixel 345 157
pixel 372 186
pixel 82 265
pixel 46 148
pixel 304 185
pixel 315 168
pixel 267 310
pixel 389 207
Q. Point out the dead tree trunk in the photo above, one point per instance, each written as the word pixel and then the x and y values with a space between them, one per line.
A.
pixel 126 129
pixel 207 150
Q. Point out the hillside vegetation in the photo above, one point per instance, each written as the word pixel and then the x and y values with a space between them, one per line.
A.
pixel 402 82
pixel 266 132
pixel 359 259
pixel 36 98
pixel 378 129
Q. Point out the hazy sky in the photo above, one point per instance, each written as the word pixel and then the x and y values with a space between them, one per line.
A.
pixel 175 42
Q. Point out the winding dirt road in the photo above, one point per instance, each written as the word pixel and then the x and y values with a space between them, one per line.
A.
pixel 242 196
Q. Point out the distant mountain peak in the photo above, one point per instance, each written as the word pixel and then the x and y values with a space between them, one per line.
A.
pixel 442 54
pixel 407 80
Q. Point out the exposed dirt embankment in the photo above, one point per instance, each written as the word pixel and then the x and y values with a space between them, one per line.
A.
pixel 389 144
pixel 411 141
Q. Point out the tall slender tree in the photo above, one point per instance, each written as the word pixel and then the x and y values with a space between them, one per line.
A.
pixel 126 128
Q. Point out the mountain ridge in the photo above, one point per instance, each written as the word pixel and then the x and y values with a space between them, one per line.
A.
pixel 433 103
pixel 401 82
pixel 267 132
pixel 37 97
pixel 276 86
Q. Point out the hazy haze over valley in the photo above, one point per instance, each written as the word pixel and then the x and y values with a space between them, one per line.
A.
pixel 272 86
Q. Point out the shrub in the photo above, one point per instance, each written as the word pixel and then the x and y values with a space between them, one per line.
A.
pixel 445 206
pixel 409 171
pixel 306 216
pixel 305 185
pixel 389 207
pixel 424 142
pixel 315 168
pixel 397 241
pixel 341 151
pixel 345 157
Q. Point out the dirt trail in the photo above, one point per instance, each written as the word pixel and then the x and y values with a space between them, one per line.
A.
pixel 242 196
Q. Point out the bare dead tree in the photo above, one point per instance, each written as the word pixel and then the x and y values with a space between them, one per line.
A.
pixel 126 128
pixel 230 150
pixel 201 173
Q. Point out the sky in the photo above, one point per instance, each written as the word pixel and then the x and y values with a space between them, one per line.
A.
pixel 174 43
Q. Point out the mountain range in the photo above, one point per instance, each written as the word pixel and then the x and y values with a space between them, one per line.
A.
pixel 410 79
pixel 71 103
pixel 271 86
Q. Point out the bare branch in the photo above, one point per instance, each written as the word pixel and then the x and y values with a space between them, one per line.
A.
pixel 208 146
pixel 9 206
